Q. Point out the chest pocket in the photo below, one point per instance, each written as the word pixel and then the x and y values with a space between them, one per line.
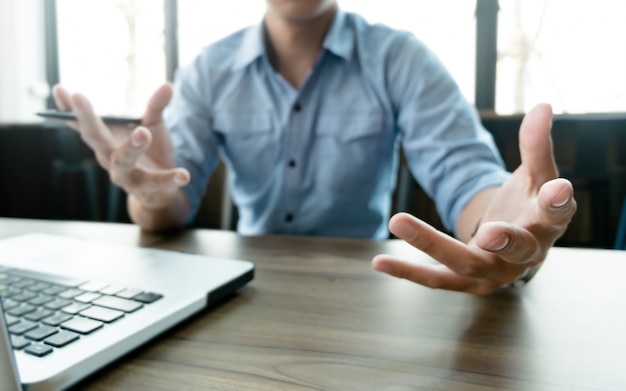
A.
pixel 353 151
pixel 249 144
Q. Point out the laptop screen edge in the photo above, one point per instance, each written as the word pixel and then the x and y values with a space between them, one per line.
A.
pixel 8 367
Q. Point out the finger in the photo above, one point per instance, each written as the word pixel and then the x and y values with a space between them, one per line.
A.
pixel 152 186
pixel 62 102
pixel 157 103
pixel 535 143
pixel 512 243
pixel 61 98
pixel 449 251
pixel 125 157
pixel 432 276
pixel 93 131
pixel 556 204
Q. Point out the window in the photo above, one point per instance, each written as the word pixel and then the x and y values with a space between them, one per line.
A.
pixel 203 22
pixel 23 86
pixel 446 26
pixel 112 51
pixel 567 53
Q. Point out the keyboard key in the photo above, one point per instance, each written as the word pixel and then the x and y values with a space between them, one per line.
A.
pixel 93 286
pixel 75 308
pixel 9 303
pixel 81 325
pixel 87 297
pixel 11 320
pixel 57 319
pixel 3 289
pixel 117 303
pixel 21 309
pixel 62 338
pixel 111 289
pixel 128 293
pixel 103 314
pixel 71 293
pixel 11 291
pixel 41 300
pixel 39 286
pixel 12 280
pixel 38 349
pixel 23 283
pixel 38 315
pixel 22 327
pixel 54 290
pixel 57 304
pixel 19 342
pixel 24 296
pixel 41 332
pixel 147 297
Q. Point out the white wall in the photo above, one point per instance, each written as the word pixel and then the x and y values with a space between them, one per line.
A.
pixel 23 87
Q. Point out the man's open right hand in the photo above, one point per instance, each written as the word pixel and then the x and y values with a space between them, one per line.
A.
pixel 141 159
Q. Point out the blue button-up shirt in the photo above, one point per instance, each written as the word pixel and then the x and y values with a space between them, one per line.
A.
pixel 322 159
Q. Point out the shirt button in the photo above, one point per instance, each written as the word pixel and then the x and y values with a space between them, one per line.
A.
pixel 288 217
pixel 297 107
pixel 292 163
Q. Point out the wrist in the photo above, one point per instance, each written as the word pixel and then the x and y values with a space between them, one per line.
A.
pixel 153 218
pixel 525 277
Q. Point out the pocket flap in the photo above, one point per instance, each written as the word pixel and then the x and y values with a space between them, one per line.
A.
pixel 242 123
pixel 349 127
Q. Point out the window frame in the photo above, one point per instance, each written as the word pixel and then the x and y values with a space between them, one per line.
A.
pixel 486 48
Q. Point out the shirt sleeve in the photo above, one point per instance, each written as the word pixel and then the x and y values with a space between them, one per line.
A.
pixel 447 149
pixel 188 116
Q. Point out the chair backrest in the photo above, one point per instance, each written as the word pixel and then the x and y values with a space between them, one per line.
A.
pixel 70 145
pixel 230 213
pixel 620 237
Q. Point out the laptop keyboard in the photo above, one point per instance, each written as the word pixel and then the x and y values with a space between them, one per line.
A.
pixel 47 312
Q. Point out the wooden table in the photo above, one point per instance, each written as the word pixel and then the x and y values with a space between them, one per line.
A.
pixel 316 317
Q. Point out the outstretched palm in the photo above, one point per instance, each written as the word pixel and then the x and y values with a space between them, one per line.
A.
pixel 140 160
pixel 519 224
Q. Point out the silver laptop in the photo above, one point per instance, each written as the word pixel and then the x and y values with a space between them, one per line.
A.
pixel 72 306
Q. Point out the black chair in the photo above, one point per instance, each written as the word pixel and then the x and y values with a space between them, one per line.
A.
pixel 72 160
pixel 594 170
pixel 620 237
pixel 75 158
pixel 230 213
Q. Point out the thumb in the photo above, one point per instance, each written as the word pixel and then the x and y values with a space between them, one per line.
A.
pixel 535 142
pixel 157 103
pixel 61 98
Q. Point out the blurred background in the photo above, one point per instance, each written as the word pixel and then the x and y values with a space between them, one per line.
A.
pixel 506 56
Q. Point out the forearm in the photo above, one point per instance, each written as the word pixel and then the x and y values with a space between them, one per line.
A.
pixel 470 217
pixel 172 216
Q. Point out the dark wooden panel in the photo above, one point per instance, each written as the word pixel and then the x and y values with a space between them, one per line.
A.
pixel 590 150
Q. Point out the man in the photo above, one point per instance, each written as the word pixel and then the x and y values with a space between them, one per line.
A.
pixel 308 110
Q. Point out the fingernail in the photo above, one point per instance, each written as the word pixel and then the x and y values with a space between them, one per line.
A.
pixel 565 197
pixel 500 243
pixel 137 140
pixel 179 178
pixel 383 268
pixel 404 231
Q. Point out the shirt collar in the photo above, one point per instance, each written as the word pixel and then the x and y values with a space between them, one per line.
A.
pixel 339 41
pixel 340 37
pixel 251 48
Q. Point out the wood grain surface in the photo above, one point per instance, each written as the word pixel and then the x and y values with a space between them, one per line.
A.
pixel 317 317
